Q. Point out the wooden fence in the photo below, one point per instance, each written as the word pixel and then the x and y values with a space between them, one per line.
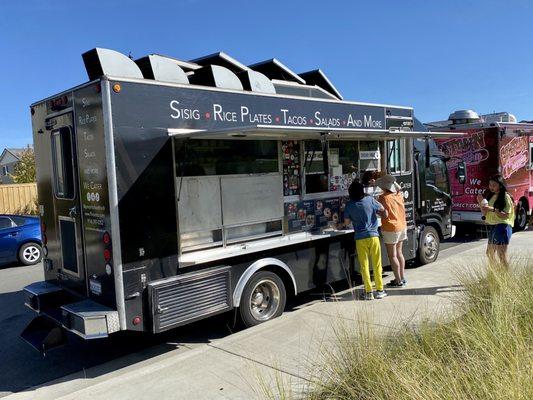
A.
pixel 18 199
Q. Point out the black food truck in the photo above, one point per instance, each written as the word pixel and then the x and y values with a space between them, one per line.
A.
pixel 171 191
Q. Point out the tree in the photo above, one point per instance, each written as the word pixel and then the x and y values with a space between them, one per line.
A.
pixel 25 168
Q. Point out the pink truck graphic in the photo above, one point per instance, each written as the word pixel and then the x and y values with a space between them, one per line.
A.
pixel 493 144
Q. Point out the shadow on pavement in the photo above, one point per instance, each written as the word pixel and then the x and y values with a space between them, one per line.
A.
pixel 23 367
pixel 427 291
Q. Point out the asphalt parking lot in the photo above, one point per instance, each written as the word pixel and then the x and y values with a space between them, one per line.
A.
pixel 22 367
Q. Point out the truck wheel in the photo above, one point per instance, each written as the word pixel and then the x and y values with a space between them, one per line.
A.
pixel 429 245
pixel 520 222
pixel 263 298
pixel 30 253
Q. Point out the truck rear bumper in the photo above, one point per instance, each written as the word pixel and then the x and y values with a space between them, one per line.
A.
pixel 84 317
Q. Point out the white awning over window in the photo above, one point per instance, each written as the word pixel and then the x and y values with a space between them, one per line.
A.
pixel 279 132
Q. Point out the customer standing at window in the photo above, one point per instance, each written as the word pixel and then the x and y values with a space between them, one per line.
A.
pixel 393 227
pixel 368 179
pixel 499 216
pixel 362 212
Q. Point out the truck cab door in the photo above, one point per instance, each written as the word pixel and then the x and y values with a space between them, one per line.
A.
pixel 436 193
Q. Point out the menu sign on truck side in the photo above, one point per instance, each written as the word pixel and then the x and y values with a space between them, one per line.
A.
pixel 91 156
pixel 210 110
pixel 93 190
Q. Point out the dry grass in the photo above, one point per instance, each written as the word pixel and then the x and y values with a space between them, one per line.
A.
pixel 484 353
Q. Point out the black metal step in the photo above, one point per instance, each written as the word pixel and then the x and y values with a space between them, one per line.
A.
pixel 44 334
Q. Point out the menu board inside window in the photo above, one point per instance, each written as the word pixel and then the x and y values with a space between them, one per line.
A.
pixel 290 151
pixel 314 215
pixel 327 213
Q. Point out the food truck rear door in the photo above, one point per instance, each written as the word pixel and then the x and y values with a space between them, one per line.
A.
pixel 71 272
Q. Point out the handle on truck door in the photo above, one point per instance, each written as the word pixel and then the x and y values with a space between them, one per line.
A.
pixel 72 212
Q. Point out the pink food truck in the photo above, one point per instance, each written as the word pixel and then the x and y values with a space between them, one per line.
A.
pixel 492 144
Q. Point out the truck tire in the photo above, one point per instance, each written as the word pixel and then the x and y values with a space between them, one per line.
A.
pixel 262 299
pixel 429 245
pixel 520 222
pixel 30 253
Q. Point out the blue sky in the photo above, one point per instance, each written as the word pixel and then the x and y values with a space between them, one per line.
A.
pixel 436 56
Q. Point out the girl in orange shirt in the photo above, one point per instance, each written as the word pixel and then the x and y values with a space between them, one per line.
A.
pixel 393 227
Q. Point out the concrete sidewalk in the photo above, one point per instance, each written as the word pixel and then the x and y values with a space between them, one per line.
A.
pixel 234 367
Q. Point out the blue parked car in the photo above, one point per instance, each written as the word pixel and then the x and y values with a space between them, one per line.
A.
pixel 20 239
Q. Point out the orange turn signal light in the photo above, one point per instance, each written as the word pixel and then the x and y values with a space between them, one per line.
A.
pixel 116 88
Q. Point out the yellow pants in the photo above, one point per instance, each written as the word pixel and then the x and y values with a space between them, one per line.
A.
pixel 370 247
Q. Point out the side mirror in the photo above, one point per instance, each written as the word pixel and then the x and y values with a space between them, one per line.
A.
pixel 461 172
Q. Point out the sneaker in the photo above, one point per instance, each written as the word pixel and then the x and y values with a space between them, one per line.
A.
pixel 380 294
pixel 367 296
pixel 404 281
pixel 394 284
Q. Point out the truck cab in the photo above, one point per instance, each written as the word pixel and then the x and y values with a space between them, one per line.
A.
pixel 434 202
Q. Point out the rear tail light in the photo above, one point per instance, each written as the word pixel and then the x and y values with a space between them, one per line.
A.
pixel 107 255
pixel 106 238
pixel 43 227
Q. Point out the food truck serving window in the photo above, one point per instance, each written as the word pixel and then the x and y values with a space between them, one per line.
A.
pixel 62 158
pixel 346 160
pixel 201 157
pixel 316 179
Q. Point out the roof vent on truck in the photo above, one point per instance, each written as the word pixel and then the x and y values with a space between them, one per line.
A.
pixel 500 117
pixel 100 62
pixel 288 82
pixel 216 76
pixel 221 59
pixel 274 69
pixel 251 80
pixel 464 117
pixel 162 69
pixel 318 78
pixel 256 82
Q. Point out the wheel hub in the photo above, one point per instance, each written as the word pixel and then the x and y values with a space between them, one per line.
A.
pixel 31 254
pixel 430 246
pixel 257 298
pixel 264 300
